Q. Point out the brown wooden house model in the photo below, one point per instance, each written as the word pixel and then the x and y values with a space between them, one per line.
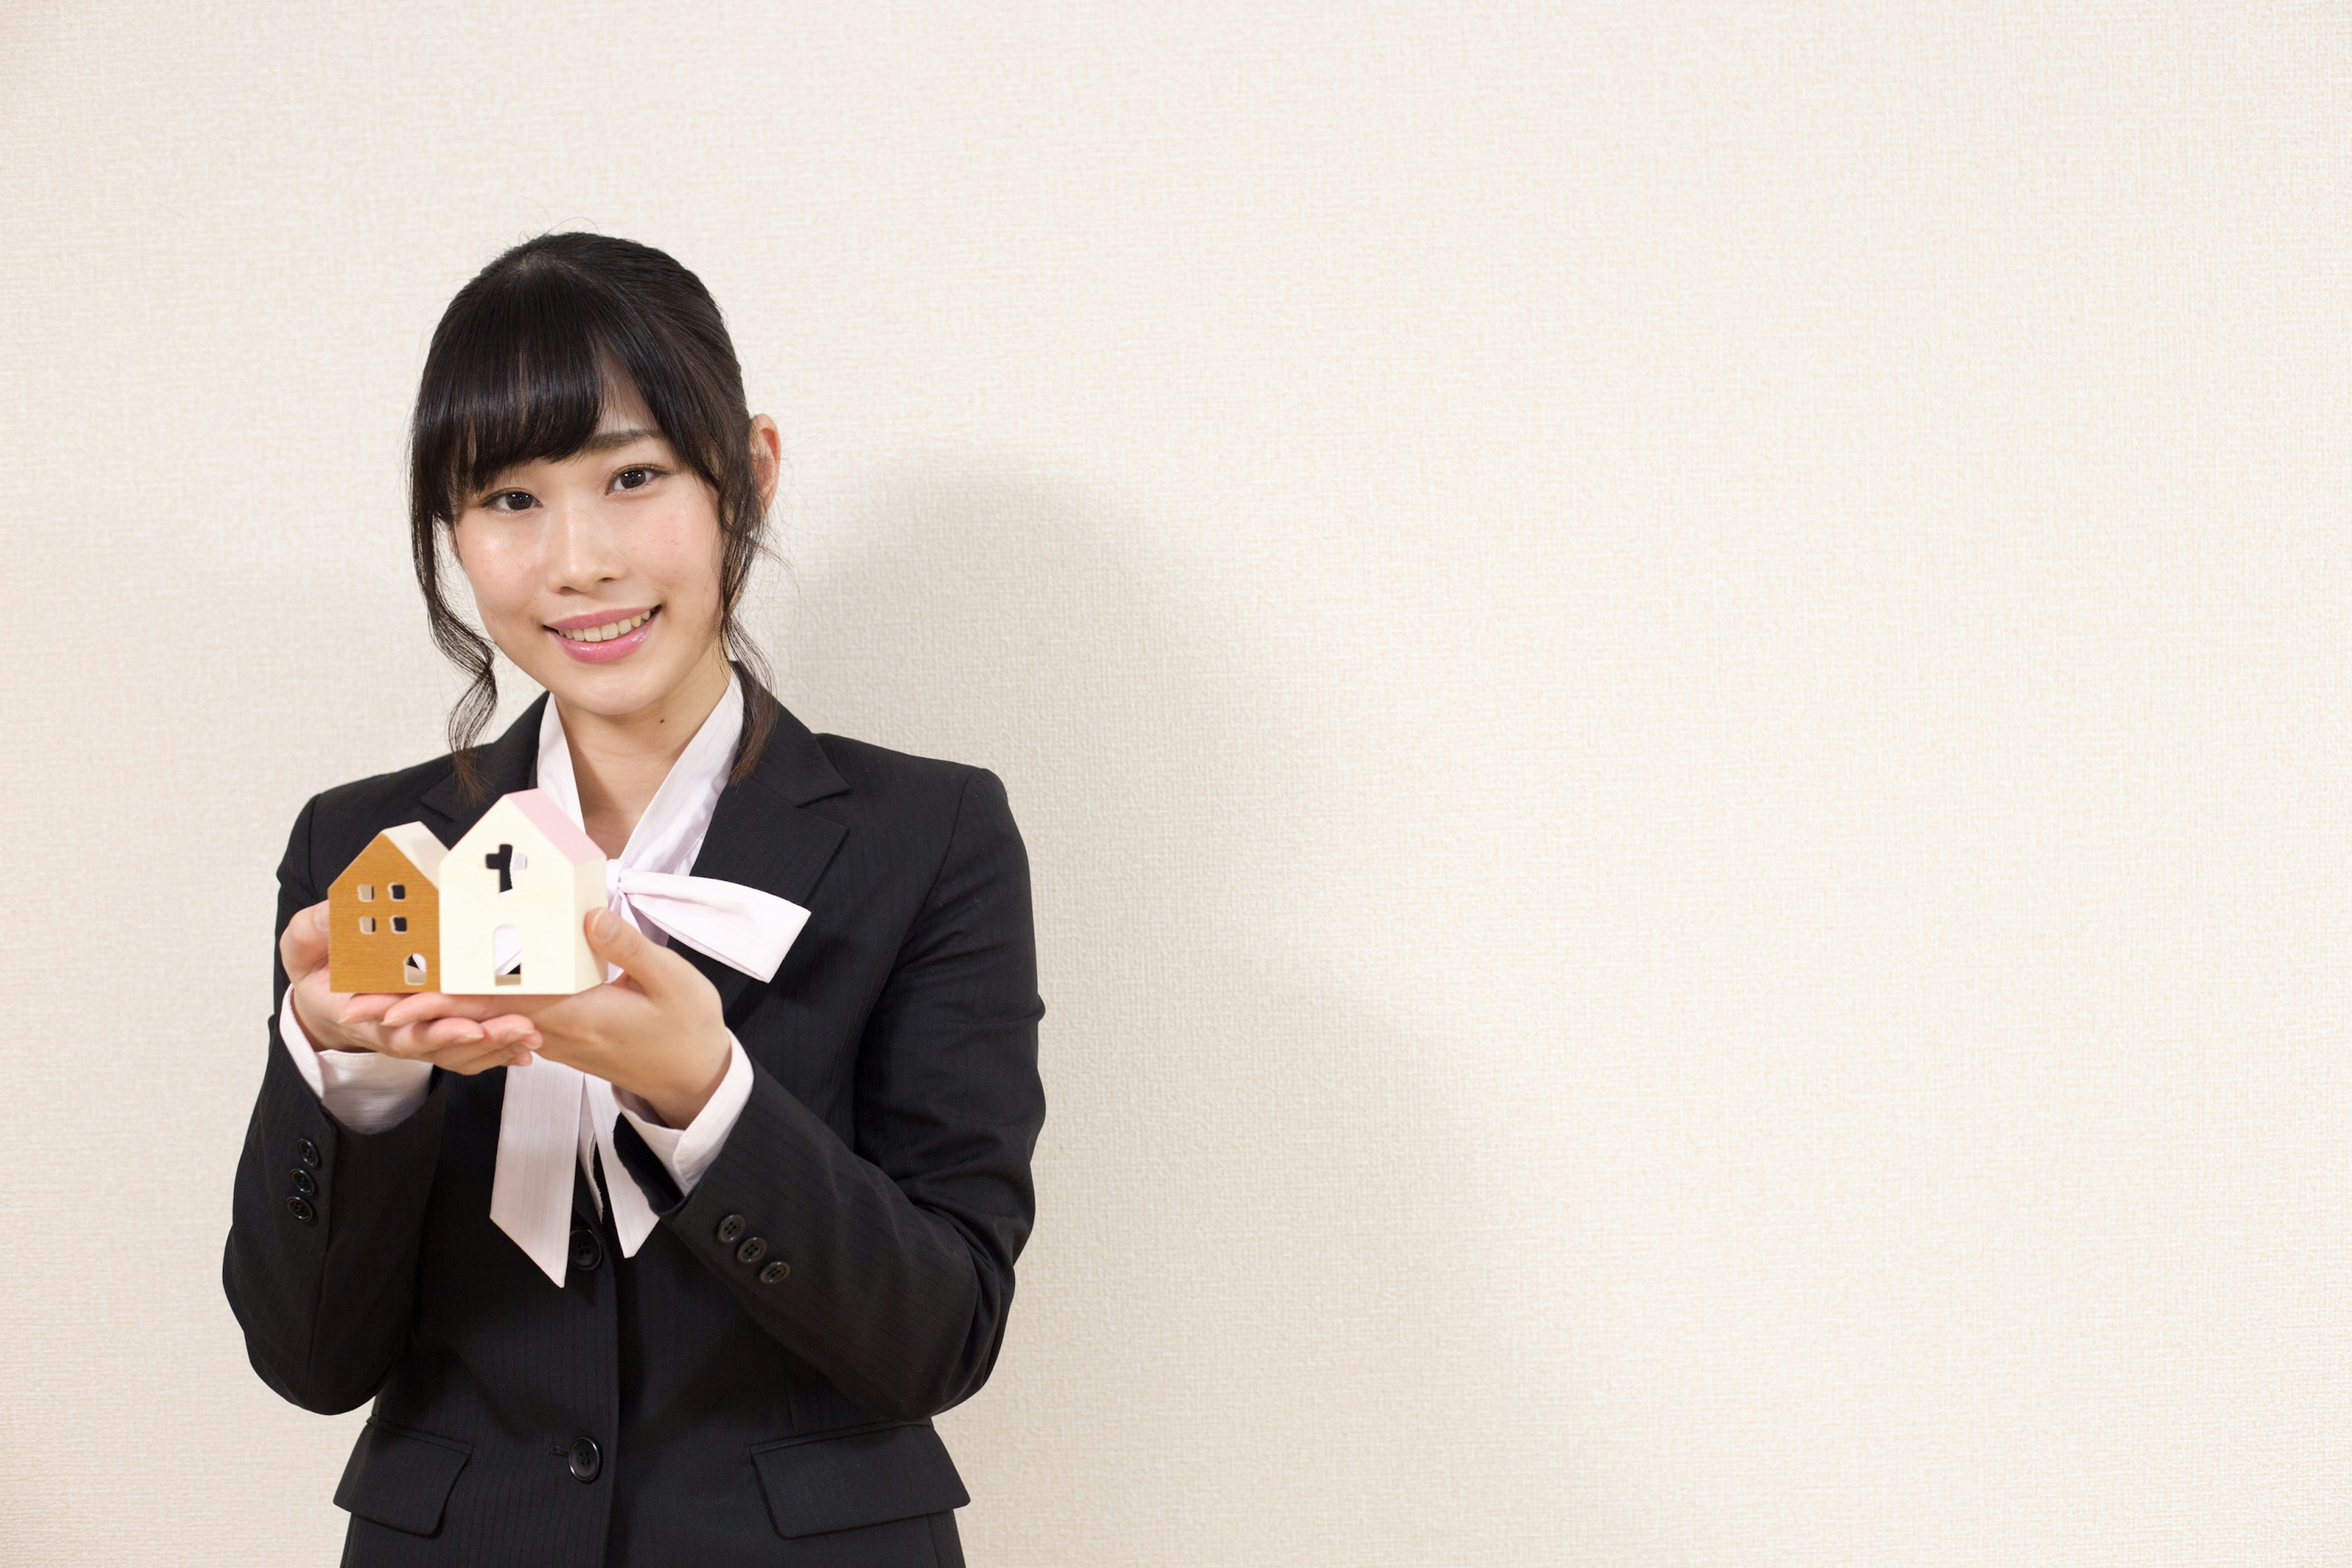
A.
pixel 384 914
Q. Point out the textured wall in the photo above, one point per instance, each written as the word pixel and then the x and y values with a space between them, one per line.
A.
pixel 1677 677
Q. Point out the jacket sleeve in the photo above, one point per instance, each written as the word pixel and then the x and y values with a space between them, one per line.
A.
pixel 321 1266
pixel 889 1267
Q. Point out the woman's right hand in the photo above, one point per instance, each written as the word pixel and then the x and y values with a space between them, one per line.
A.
pixel 342 1021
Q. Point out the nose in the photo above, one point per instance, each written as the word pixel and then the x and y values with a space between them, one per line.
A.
pixel 581 550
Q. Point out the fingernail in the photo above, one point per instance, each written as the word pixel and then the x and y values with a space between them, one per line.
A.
pixel 319 919
pixel 602 925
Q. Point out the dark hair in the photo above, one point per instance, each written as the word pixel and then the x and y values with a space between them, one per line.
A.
pixel 518 370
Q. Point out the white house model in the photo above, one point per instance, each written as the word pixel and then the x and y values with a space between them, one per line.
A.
pixel 514 892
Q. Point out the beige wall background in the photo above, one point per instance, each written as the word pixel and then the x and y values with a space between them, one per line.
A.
pixel 1676 676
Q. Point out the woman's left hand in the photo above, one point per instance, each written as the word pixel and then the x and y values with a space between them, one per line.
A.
pixel 658 1032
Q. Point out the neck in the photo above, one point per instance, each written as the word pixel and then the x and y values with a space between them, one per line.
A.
pixel 620 760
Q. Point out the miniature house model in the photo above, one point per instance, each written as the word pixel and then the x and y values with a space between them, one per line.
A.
pixel 515 892
pixel 383 924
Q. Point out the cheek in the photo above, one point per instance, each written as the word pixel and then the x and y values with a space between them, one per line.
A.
pixel 502 581
pixel 682 557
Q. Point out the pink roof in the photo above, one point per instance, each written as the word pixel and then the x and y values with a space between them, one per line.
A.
pixel 560 830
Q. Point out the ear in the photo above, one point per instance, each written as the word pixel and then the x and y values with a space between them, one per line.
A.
pixel 767 457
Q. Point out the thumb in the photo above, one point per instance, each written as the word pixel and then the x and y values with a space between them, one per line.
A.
pixel 617 942
pixel 304 945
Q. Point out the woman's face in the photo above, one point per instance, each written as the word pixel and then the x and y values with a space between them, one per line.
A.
pixel 597 573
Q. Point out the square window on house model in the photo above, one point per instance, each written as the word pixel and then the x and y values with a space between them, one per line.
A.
pixel 406 859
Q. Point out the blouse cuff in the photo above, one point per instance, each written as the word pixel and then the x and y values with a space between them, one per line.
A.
pixel 365 1091
pixel 686 1152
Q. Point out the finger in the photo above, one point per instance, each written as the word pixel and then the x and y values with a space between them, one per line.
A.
pixel 655 968
pixel 480 1057
pixel 419 1006
pixel 367 1006
pixel 509 1042
pixel 512 1029
pixel 468 1060
pixel 424 1006
pixel 421 1040
pixel 303 947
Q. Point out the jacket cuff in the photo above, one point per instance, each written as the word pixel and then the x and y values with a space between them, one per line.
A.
pixel 318 1210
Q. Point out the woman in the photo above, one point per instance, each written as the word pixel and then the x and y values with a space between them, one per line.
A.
pixel 675 1269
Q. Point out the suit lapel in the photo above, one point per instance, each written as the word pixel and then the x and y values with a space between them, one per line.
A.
pixel 507 764
pixel 761 836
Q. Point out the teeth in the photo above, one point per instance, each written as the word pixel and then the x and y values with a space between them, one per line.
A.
pixel 608 631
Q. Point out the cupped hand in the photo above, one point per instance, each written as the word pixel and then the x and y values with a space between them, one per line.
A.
pixel 439 1029
pixel 659 1032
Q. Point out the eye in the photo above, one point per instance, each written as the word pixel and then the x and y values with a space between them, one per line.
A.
pixel 510 501
pixel 636 477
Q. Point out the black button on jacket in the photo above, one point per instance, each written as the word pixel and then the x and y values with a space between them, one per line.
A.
pixel 738 1415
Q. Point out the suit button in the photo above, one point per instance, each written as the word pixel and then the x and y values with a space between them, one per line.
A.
pixel 301 1209
pixel 776 1273
pixel 752 1250
pixel 731 1228
pixel 587 1460
pixel 305 1185
pixel 307 1152
pixel 587 1248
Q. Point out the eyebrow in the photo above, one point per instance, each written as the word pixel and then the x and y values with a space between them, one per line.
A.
pixel 608 440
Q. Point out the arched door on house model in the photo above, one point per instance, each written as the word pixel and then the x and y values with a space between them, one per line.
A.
pixel 506 941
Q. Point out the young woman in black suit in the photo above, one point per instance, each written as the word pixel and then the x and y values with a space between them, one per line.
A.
pixel 794 1243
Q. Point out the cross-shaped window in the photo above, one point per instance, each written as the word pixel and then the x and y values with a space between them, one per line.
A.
pixel 503 864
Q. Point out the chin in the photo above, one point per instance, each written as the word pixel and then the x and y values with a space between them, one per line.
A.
pixel 616 689
pixel 608 696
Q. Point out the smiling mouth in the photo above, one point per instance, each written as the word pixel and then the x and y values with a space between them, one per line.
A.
pixel 609 630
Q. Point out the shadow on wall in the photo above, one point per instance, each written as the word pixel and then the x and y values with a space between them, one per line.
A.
pixel 1272 1308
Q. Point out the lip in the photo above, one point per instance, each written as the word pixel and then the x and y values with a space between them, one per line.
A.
pixel 603 652
pixel 599 618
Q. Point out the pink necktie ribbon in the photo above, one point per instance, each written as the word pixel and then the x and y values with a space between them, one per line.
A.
pixel 539 1126
pixel 743 928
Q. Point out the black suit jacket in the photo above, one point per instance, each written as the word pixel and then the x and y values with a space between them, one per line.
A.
pixel 694 1404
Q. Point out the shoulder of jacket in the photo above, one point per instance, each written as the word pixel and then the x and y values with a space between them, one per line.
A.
pixel 370 799
pixel 897 776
